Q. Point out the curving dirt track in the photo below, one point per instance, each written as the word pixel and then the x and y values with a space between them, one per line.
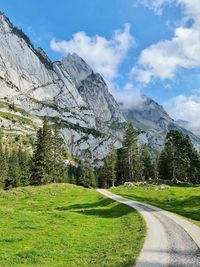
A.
pixel 171 241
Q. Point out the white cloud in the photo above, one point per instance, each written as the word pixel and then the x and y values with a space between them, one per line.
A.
pixel 196 91
pixel 129 97
pixel 161 60
pixel 186 108
pixel 155 5
pixel 103 55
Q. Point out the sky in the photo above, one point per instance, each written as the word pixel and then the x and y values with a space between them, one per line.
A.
pixel 149 47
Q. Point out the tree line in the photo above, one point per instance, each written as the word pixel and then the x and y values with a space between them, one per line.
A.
pixel 178 161
pixel 47 164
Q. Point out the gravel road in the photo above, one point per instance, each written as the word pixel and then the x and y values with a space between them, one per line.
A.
pixel 171 241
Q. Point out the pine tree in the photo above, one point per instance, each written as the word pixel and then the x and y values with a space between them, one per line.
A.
pixel 13 171
pixel 72 177
pixel 101 178
pixel 59 166
pixel 132 161
pixel 121 166
pixel 155 166
pixel 3 166
pixel 38 168
pixel 148 168
pixel 179 160
pixel 43 156
pixel 24 163
pixel 193 171
pixel 109 169
pixel 47 148
pixel 86 176
pixel 50 156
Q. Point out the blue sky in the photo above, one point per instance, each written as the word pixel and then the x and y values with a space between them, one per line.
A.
pixel 143 47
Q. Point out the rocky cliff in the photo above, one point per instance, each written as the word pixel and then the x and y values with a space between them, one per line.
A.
pixel 68 92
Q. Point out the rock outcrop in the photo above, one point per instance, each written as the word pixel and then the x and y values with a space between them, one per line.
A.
pixel 68 92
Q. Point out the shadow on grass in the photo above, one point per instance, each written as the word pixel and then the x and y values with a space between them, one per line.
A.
pixel 115 212
pixel 99 209
pixel 11 240
pixel 100 203
pixel 183 207
pixel 27 227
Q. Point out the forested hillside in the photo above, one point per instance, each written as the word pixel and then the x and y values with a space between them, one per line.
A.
pixel 46 160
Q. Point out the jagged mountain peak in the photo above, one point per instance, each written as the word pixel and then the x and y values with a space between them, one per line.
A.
pixel 150 115
pixel 74 57
pixel 77 68
pixel 38 87
pixel 153 123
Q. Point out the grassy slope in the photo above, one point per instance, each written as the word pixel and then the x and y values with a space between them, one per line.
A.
pixel 65 225
pixel 181 200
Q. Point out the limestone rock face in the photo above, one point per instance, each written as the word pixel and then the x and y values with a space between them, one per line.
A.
pixel 70 93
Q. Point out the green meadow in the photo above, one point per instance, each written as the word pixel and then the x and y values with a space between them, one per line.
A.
pixel 66 225
pixel 183 200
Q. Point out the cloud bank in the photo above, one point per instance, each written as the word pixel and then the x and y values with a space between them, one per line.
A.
pixel 130 97
pixel 163 59
pixel 160 60
pixel 103 55
pixel 186 108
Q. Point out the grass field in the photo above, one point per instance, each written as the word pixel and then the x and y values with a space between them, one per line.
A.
pixel 181 200
pixel 65 225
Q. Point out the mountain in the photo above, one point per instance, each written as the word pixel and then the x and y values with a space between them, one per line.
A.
pixel 71 94
pixel 187 125
pixel 68 92
pixel 153 123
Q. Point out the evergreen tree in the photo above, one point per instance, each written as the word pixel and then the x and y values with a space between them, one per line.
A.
pixel 138 165
pixel 165 163
pixel 43 156
pixel 3 166
pixel 47 149
pixel 72 177
pixel 109 169
pixel 148 170
pixel 193 171
pixel 13 179
pixel 86 176
pixel 25 164
pixel 121 166
pixel 102 182
pixel 155 163
pixel 59 166
pixel 177 154
pixel 50 156
pixel 179 160
pixel 38 168
pixel 132 161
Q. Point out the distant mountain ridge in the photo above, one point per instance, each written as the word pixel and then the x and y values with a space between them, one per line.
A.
pixel 68 92
pixel 187 125
pixel 153 123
